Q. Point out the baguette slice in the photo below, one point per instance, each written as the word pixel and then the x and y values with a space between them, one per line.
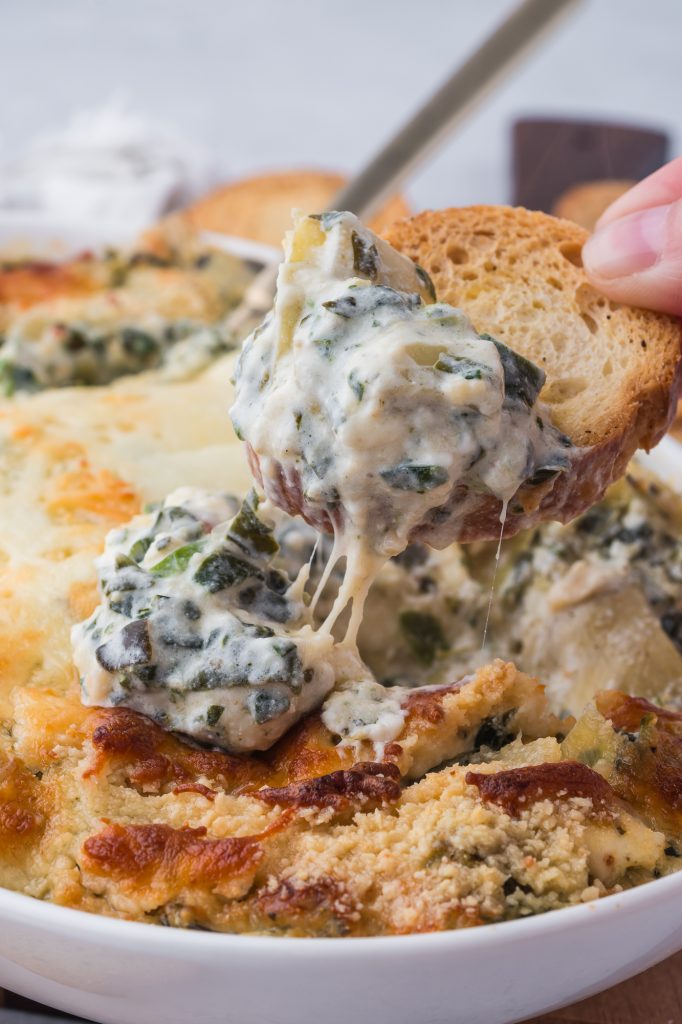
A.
pixel 585 203
pixel 259 207
pixel 612 372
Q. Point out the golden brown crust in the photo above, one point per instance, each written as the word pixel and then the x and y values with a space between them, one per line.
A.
pixel 129 747
pixel 366 785
pixel 516 789
pixel 322 907
pixel 612 372
pixel 22 817
pixel 30 282
pixel 259 207
pixel 307 768
pixel 163 276
pixel 627 713
pixel 646 768
pixel 355 850
pixel 169 861
pixel 85 496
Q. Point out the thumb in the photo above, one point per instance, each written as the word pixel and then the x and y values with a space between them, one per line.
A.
pixel 637 258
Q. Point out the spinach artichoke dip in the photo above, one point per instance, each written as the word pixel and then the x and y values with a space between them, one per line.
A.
pixel 366 404
pixel 373 403
pixel 294 727
pixel 214 642
pixel 91 320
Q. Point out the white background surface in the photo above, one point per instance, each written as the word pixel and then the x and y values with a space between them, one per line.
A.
pixel 268 83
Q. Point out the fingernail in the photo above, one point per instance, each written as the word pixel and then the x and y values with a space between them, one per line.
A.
pixel 627 246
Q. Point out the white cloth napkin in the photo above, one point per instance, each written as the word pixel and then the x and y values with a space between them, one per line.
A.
pixel 110 164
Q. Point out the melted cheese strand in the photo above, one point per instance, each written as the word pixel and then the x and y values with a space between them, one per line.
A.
pixel 503 519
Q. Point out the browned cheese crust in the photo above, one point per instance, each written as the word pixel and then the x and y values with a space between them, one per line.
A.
pixel 102 810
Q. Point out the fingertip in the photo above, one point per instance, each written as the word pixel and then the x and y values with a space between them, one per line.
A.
pixel 627 246
pixel 662 187
pixel 637 260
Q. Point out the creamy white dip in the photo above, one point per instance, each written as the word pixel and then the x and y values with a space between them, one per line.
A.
pixel 372 403
pixel 367 404
pixel 196 630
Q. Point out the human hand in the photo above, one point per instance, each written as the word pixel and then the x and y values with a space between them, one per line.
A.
pixel 635 253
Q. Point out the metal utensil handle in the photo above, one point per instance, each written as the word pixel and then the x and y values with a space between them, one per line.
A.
pixel 434 121
pixel 425 130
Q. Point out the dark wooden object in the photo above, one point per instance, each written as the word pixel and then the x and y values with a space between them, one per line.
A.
pixel 550 156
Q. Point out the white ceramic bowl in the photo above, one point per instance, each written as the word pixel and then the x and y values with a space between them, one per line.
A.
pixel 121 972
pixel 47 238
pixel 127 973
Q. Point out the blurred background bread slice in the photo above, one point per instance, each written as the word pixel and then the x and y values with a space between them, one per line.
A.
pixel 551 156
pixel 259 207
pixel 586 202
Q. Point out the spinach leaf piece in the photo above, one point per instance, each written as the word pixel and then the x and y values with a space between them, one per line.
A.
pixel 345 306
pixel 357 386
pixel 424 634
pixel 177 561
pixel 408 477
pixel 365 256
pixel 326 219
pixel 130 646
pixel 266 705
pixel 426 281
pixel 325 347
pixel 523 380
pixel 493 732
pixel 221 570
pixel 250 532
pixel 461 366
pixel 140 548
pixel 366 300
pixel 138 343
pixel 214 713
pixel 74 340
pixel 16 378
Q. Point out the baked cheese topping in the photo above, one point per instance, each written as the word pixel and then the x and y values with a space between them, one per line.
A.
pixel 135 312
pixel 197 838
pixel 368 403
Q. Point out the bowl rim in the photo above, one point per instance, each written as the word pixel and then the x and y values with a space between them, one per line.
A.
pixel 121 933
pixel 53 237
pixel 244 248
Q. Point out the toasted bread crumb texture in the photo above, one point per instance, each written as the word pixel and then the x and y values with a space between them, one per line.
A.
pixel 102 810
pixel 518 274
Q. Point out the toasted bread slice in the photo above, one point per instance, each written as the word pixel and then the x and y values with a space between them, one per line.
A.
pixel 612 371
pixel 259 208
